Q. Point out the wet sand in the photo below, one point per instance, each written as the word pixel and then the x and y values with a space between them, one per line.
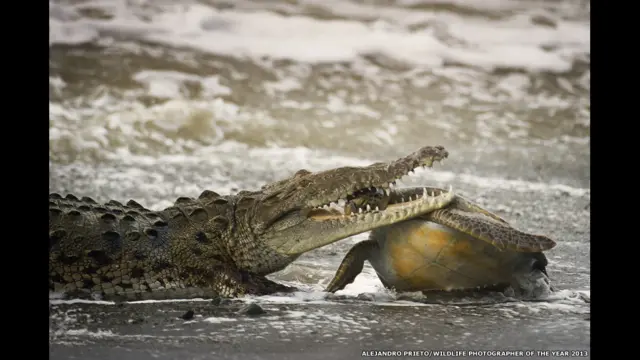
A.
pixel 339 329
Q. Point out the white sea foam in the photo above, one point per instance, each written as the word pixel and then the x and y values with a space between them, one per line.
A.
pixel 512 185
pixel 85 332
pixel 170 84
pixel 208 164
pixel 218 320
pixel 423 36
pixel 514 41
pixel 567 301
pixel 55 300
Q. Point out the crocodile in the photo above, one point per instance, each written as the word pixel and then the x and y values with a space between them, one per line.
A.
pixel 461 247
pixel 219 245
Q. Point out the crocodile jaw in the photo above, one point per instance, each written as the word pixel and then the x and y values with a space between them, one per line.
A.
pixel 321 227
pixel 306 191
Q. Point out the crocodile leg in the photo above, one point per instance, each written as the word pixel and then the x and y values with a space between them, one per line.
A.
pixel 352 265
pixel 260 285
pixel 217 282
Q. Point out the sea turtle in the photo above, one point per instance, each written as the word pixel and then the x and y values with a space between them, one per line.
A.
pixel 460 247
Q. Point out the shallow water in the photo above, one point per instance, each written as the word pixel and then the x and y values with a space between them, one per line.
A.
pixel 153 100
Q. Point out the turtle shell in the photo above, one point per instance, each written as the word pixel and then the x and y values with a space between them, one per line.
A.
pixel 420 255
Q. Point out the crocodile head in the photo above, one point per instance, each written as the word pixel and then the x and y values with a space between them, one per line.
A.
pixel 299 214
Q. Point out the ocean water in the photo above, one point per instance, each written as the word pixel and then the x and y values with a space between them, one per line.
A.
pixel 152 100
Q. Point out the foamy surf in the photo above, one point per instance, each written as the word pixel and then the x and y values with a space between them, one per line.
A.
pixel 141 171
pixel 417 36
pixel 369 290
pixel 282 74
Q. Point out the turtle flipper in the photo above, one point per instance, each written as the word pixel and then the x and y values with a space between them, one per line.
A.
pixel 466 205
pixel 485 228
pixel 351 265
